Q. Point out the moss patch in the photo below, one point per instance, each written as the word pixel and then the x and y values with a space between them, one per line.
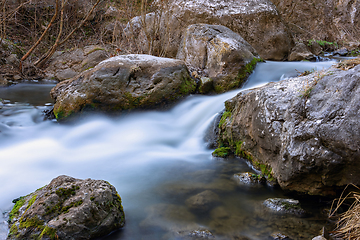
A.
pixel 226 115
pixel 245 71
pixel 34 222
pixel 49 232
pixel 240 78
pixel 187 86
pixel 15 211
pixel 64 194
pixel 60 113
pixel 222 152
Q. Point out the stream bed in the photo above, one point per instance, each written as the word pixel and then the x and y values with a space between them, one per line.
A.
pixel 155 159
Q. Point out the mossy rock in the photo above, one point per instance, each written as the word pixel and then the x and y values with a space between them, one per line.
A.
pixel 60 210
pixel 123 83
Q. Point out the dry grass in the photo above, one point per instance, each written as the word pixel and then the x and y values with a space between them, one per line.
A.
pixel 348 225
pixel 349 64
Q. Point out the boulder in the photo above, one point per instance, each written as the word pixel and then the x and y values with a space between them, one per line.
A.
pixel 332 20
pixel 67 64
pixel 123 83
pixel 216 52
pixel 257 21
pixel 67 208
pixel 203 201
pixel 301 52
pixel 304 132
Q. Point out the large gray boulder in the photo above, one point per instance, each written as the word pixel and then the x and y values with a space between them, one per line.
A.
pixel 216 52
pixel 304 132
pixel 123 83
pixel 67 208
pixel 257 21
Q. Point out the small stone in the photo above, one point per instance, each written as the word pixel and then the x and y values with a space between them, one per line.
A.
pixel 249 179
pixel 17 77
pixel 279 236
pixel 319 238
pixel 282 205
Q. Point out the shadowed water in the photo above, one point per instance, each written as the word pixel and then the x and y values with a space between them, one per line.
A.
pixel 156 160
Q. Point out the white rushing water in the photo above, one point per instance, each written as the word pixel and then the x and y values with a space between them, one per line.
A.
pixel 133 152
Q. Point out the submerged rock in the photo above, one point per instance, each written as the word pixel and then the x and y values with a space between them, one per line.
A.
pixel 203 201
pixel 304 132
pixel 123 83
pixel 198 234
pixel 281 205
pixel 169 217
pixel 67 208
pixel 218 53
pixel 249 179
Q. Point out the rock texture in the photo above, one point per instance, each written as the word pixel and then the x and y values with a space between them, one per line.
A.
pixel 122 83
pixel 257 21
pixel 304 132
pixel 67 208
pixel 216 52
pixel 68 64
pixel 333 20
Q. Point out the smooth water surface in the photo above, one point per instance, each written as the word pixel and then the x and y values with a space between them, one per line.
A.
pixel 156 160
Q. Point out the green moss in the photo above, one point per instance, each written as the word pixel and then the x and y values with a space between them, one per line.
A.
pixel 243 73
pixel 65 209
pixel 33 222
pixel 13 230
pixel 15 211
pixel 49 232
pixel 266 170
pixel 132 102
pixel 322 43
pixel 64 194
pixel 187 86
pixel 31 201
pixel 242 153
pixel 95 49
pixel 222 152
pixel 226 115
pixel 289 206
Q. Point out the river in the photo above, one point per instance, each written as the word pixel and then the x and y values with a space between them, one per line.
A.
pixel 155 159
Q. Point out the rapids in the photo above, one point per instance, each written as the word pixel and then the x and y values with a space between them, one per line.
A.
pixel 145 155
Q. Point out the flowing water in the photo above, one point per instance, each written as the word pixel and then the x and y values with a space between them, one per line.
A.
pixel 155 159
